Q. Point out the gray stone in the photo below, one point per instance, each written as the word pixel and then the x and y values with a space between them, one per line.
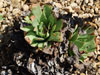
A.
pixel 3 73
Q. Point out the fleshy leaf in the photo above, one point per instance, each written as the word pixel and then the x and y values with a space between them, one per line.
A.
pixel 88 46
pixel 70 52
pixel 40 26
pixel 75 36
pixel 31 36
pixel 55 37
pixel 47 10
pixel 40 45
pixel 39 39
pixel 27 28
pixel 43 18
pixel 89 30
pixel 83 56
pixel 27 19
pixel 53 29
pixel 37 12
pixel 34 44
pixel 85 37
pixel 79 44
pixel 52 20
pixel 41 34
pixel 47 34
pixel 35 23
pixel 58 25
pixel 45 44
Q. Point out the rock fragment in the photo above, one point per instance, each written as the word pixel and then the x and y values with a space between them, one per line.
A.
pixel 25 7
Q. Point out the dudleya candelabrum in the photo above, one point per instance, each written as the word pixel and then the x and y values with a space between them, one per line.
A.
pixel 44 28
pixel 84 42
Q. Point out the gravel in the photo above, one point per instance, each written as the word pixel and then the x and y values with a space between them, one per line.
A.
pixel 17 57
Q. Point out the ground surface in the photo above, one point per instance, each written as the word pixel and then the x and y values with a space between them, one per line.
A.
pixel 18 58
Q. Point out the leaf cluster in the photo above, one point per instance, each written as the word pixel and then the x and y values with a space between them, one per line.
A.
pixel 84 42
pixel 44 28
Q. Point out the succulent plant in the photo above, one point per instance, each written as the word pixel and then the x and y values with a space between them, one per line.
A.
pixel 84 42
pixel 44 27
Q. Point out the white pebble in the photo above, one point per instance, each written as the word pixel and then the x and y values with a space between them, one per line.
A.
pixel 33 67
pixel 91 1
pixel 73 5
pixel 96 9
pixel 16 11
pixel 1 4
pixel 86 1
pixel 78 1
pixel 25 7
pixel 92 11
pixel 75 14
pixel 3 73
pixel 58 5
pixel 69 9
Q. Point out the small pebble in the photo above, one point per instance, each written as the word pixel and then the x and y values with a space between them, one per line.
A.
pixel 98 58
pixel 91 1
pixel 87 10
pixel 58 73
pixel 96 10
pixel 69 9
pixel 99 71
pixel 78 1
pixel 33 67
pixel 82 74
pixel 62 58
pixel 98 31
pixel 3 73
pixel 15 3
pixel 16 11
pixel 73 5
pixel 3 27
pixel 1 4
pixel 25 7
pixel 79 66
pixel 58 5
pixel 83 8
pixel 92 11
pixel 10 72
pixel 34 1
